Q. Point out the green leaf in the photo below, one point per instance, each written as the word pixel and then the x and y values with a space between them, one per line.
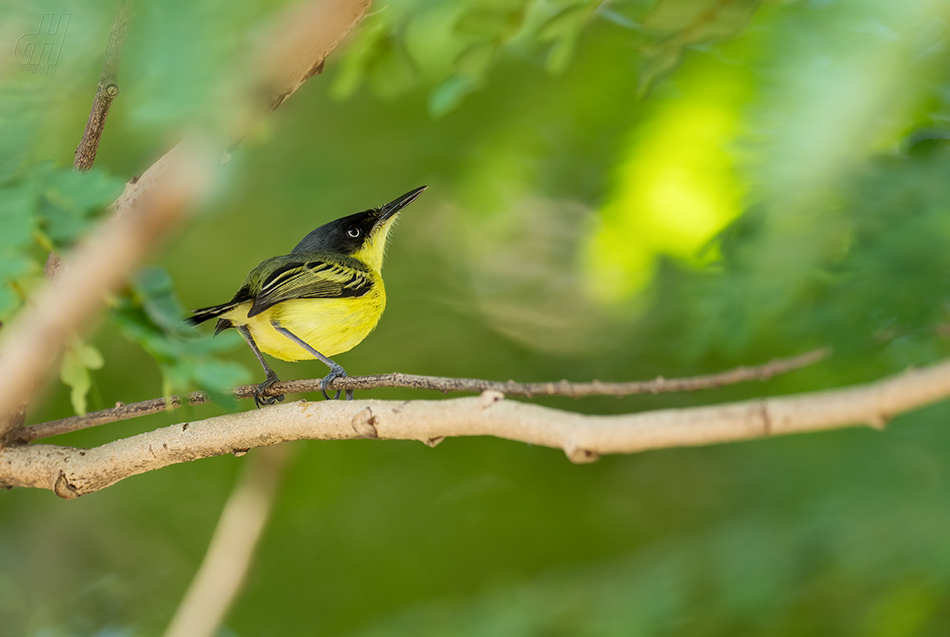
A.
pixel 62 227
pixel 17 207
pixel 483 23
pixel 69 199
pixel 78 359
pixel 15 267
pixel 566 23
pixel 9 302
pixel 561 53
pixel 392 73
pixel 446 97
pixel 366 46
pixel 151 316
pixel 156 290
pixel 220 376
pixel 475 60
pixel 83 192
pixel 224 342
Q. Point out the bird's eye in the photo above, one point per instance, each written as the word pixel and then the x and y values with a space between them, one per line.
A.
pixel 354 231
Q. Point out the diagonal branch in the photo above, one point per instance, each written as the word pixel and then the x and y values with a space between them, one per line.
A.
pixel 84 158
pixel 228 559
pixel 659 385
pixel 73 472
pixel 32 341
pixel 30 344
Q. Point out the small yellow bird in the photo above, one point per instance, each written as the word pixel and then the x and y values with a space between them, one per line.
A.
pixel 320 300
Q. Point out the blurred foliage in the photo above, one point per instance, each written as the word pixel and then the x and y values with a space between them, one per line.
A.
pixel 79 360
pixel 150 315
pixel 617 190
pixel 44 208
pixel 453 46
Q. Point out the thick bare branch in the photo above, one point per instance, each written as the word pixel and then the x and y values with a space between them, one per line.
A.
pixel 12 421
pixel 73 472
pixel 28 347
pixel 408 381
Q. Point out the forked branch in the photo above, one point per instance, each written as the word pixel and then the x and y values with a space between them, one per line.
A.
pixel 509 388
pixel 73 472
pixel 151 205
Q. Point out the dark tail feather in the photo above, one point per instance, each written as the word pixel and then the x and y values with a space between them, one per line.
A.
pixel 207 313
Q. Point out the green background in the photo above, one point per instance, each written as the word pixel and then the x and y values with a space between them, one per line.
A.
pixel 616 191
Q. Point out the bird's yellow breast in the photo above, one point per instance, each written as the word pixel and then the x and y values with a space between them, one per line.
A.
pixel 330 326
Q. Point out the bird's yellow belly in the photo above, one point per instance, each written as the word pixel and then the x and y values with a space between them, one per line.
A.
pixel 330 326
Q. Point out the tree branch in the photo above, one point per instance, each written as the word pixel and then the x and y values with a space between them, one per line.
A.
pixel 85 156
pixel 106 91
pixel 229 555
pixel 408 381
pixel 73 472
pixel 302 41
pixel 30 344
pixel 32 341
pixel 659 385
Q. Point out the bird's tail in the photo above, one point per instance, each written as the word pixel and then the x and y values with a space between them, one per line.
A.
pixel 215 311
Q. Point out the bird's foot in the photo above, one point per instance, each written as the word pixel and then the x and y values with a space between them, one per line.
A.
pixel 259 398
pixel 335 372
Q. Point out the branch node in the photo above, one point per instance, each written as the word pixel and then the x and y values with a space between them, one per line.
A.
pixel 878 422
pixel 316 70
pixel 581 456
pixel 64 489
pixel 489 397
pixel 364 423
pixel 766 419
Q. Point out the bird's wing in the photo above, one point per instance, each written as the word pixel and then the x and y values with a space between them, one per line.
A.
pixel 309 279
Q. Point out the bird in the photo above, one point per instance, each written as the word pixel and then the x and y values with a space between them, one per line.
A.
pixel 320 300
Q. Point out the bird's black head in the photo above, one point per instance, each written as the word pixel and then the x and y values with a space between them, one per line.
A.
pixel 342 236
pixel 361 235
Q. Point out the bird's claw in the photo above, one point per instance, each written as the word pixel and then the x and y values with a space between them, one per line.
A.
pixel 259 398
pixel 335 372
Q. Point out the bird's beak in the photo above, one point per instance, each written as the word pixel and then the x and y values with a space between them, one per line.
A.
pixel 394 206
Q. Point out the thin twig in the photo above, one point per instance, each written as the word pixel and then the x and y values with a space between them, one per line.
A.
pixel 408 381
pixel 106 91
pixel 28 347
pixel 659 385
pixel 71 472
pixel 31 342
pixel 85 156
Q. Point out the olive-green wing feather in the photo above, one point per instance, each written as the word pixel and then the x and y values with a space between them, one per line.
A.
pixel 295 278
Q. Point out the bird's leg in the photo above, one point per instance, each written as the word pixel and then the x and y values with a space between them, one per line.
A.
pixel 335 370
pixel 259 399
